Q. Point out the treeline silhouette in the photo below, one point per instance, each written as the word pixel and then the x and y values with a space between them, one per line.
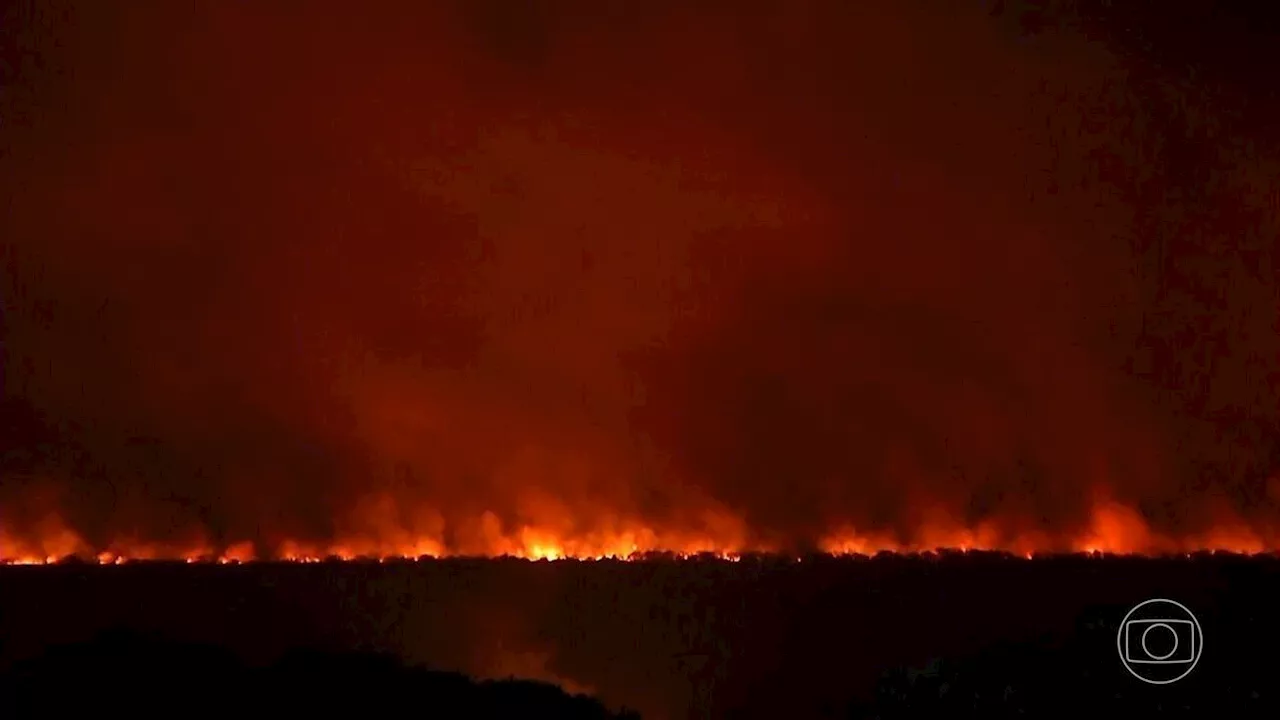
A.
pixel 946 635
pixel 139 675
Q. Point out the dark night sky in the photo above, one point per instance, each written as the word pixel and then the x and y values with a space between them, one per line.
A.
pixel 288 271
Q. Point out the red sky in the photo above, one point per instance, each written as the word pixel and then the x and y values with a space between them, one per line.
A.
pixel 278 273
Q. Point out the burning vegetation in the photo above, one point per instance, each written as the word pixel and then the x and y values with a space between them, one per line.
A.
pixel 443 281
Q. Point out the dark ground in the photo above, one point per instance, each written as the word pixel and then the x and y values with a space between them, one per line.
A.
pixel 136 675
pixel 887 637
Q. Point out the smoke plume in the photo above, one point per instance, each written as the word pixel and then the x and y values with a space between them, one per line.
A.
pixel 480 278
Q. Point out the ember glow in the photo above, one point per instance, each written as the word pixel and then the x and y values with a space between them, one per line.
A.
pixel 1114 530
pixel 445 281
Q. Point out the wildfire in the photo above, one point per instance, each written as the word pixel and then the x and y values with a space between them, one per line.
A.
pixel 1113 529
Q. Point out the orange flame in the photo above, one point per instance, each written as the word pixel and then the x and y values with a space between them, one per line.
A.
pixel 1113 528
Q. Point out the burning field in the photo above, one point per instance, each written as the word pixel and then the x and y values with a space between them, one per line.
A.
pixel 606 281
pixel 467 280
pixel 1113 529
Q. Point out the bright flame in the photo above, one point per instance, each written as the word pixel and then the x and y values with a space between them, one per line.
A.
pixel 1113 529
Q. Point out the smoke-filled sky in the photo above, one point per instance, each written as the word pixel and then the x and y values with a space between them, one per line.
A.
pixel 300 270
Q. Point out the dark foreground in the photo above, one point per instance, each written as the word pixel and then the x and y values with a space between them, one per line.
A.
pixel 132 675
pixel 892 637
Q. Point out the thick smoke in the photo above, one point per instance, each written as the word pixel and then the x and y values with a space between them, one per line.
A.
pixel 282 274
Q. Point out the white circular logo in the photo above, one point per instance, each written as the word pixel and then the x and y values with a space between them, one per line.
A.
pixel 1160 641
